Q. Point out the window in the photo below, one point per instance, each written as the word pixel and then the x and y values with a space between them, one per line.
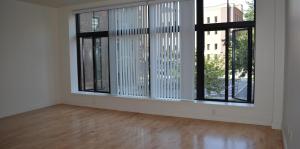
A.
pixel 229 77
pixel 130 42
pixel 166 50
pixel 118 58
pixel 137 50
pixel 95 23
pixel 208 56
pixel 92 46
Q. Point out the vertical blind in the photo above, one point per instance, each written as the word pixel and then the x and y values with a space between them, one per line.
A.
pixel 129 39
pixel 165 50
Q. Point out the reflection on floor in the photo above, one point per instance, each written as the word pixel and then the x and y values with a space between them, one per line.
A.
pixel 70 127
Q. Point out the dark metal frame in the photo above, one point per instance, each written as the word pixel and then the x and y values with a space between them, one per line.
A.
pixel 249 65
pixel 93 36
pixel 201 28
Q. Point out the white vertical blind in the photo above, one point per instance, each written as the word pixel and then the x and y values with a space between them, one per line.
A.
pixel 165 50
pixel 130 40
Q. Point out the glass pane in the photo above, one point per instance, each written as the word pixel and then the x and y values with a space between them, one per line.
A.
pixel 195 68
pixel 100 21
pixel 214 67
pixel 215 11
pixel 238 65
pixel 253 62
pixel 81 67
pixel 102 65
pixel 241 10
pixel 87 63
pixel 85 20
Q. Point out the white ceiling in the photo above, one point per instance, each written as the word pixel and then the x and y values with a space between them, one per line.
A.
pixel 58 3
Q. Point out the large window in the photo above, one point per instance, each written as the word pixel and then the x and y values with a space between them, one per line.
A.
pixel 229 77
pixel 92 51
pixel 144 50
pixel 130 42
pixel 147 50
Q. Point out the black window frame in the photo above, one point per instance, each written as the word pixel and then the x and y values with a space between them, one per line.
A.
pixel 201 28
pixel 93 35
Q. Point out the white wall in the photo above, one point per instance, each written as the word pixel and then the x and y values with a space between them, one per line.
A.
pixel 291 121
pixel 28 57
pixel 260 113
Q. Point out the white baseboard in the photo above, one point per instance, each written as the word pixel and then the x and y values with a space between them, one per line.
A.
pixel 284 139
pixel 248 114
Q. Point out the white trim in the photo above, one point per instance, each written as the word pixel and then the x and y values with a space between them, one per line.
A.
pixel 228 104
pixel 187 31
pixel 279 55
pixel 285 143
pixel 107 7
pixel 163 1
pixel 123 5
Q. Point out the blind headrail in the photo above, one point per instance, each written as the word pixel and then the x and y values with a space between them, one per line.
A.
pixel 122 5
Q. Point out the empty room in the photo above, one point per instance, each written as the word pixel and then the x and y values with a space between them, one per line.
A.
pixel 149 74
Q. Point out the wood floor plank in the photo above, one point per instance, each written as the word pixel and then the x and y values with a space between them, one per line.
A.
pixel 72 127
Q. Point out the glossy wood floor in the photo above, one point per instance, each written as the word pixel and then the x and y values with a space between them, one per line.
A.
pixel 71 127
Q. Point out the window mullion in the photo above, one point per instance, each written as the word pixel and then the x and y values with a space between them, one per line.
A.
pixel 226 64
pixel 200 50
pixel 250 55
pixel 187 50
pixel 94 64
pixel 78 53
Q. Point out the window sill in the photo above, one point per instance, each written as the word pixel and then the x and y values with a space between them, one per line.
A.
pixel 227 104
pixel 231 104
pixel 90 93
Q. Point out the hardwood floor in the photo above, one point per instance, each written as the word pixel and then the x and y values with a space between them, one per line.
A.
pixel 71 127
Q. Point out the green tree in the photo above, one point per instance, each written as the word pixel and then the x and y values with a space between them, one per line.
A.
pixel 214 70
pixel 249 14
pixel 241 44
pixel 241 52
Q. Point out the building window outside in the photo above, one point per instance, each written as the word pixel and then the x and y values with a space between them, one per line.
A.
pixel 216 19
pixel 216 46
pixel 95 23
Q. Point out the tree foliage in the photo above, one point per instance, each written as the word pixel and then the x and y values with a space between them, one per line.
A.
pixel 249 14
pixel 241 52
pixel 241 44
pixel 214 70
